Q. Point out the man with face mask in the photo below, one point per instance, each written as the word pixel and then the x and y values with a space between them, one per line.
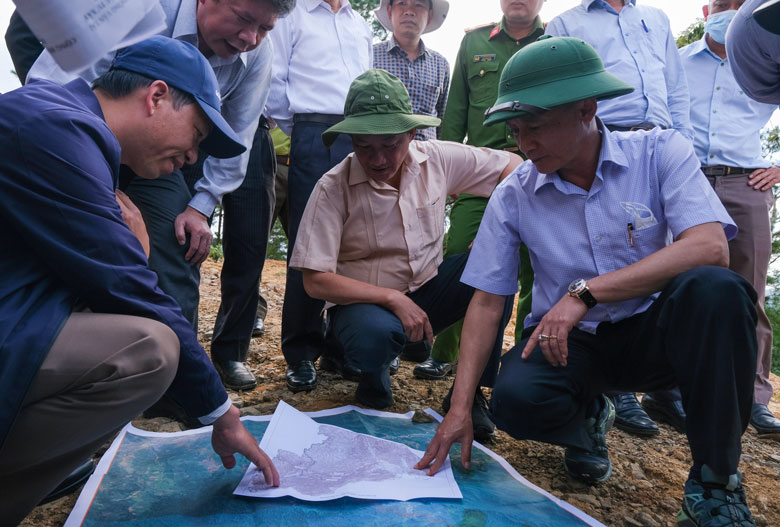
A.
pixel 727 142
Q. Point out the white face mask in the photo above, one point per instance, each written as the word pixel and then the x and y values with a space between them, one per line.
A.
pixel 718 23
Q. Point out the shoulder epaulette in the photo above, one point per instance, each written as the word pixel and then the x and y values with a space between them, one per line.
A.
pixel 482 26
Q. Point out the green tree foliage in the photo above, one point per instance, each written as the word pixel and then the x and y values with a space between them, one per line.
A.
pixel 366 10
pixel 693 33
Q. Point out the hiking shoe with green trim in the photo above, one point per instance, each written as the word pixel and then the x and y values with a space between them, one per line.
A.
pixel 593 466
pixel 715 501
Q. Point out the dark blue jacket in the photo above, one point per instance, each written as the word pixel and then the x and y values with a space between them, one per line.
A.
pixel 64 243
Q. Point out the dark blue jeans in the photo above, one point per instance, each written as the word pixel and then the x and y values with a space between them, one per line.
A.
pixel 699 334
pixel 247 225
pixel 370 336
pixel 302 335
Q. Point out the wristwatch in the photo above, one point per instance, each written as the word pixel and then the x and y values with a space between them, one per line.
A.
pixel 579 289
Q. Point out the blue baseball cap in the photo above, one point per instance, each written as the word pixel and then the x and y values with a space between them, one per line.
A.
pixel 181 65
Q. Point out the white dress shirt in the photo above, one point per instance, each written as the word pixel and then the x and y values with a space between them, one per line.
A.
pixel 318 53
pixel 244 83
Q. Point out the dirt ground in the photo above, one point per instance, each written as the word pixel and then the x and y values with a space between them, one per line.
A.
pixel 646 486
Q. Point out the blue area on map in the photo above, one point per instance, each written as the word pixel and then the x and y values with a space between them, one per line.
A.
pixel 179 480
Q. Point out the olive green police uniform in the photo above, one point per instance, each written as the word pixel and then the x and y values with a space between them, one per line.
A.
pixel 483 54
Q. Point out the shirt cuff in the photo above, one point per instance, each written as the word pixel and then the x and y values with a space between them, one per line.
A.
pixel 204 203
pixel 216 414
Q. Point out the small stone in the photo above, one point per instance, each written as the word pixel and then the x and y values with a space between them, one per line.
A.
pixel 632 522
pixel 585 498
pixel 647 521
pixel 421 417
pixel 636 471
pixel 250 410
pixel 774 457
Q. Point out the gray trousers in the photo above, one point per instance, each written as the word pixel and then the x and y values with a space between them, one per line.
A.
pixel 101 372
pixel 749 255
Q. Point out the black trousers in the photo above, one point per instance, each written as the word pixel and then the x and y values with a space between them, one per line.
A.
pixel 370 336
pixel 247 225
pixel 302 333
pixel 700 334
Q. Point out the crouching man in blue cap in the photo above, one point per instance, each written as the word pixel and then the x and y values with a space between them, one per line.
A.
pixel 631 292
pixel 88 340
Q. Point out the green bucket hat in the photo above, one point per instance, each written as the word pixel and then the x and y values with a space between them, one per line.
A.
pixel 377 104
pixel 550 72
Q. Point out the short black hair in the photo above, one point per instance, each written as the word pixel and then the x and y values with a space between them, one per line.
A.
pixel 119 83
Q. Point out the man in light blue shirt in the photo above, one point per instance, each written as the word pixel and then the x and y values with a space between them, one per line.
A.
pixel 728 124
pixel 617 304
pixel 635 43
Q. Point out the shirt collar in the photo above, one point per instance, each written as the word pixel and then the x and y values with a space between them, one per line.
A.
pixel 392 44
pixel 700 46
pixel 538 25
pixel 411 166
pixel 587 4
pixel 610 153
pixel 186 28
pixel 311 5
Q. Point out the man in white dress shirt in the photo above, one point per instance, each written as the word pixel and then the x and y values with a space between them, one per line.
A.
pixel 320 48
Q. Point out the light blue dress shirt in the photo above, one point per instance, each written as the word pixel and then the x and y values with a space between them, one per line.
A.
pixel 637 46
pixel 650 180
pixel 727 123
pixel 244 84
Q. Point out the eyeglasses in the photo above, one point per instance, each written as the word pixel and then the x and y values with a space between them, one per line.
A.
pixel 515 106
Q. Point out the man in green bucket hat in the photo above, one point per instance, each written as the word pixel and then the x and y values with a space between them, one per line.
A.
pixel 616 303
pixel 370 241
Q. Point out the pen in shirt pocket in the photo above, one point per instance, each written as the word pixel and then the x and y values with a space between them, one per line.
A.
pixel 645 26
pixel 630 229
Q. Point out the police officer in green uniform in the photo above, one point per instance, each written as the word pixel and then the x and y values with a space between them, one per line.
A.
pixel 483 54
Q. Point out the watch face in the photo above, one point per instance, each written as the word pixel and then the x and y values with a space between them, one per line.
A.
pixel 576 285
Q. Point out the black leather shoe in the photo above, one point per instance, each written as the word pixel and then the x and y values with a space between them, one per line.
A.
pixel 336 364
pixel 430 368
pixel 373 400
pixel 235 375
pixel 259 328
pixel 167 407
pixel 395 364
pixel 665 410
pixel 484 428
pixel 593 466
pixel 630 417
pixel 301 377
pixel 765 423
pixel 416 351
pixel 74 480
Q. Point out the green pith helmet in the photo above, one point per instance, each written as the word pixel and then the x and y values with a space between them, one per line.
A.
pixel 550 72
pixel 377 104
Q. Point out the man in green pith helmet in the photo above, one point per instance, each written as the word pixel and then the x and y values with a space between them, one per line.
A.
pixel 483 54
pixel 370 240
pixel 616 304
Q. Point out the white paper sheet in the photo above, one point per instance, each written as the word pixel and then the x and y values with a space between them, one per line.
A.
pixel 319 462
pixel 79 32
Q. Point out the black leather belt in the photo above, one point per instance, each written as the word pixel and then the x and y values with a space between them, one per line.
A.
pixel 282 160
pixel 641 126
pixel 320 118
pixel 723 170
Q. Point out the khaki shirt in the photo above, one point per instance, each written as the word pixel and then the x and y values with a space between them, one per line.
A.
pixel 369 231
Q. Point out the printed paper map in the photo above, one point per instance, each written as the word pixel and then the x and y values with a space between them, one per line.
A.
pixel 319 462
